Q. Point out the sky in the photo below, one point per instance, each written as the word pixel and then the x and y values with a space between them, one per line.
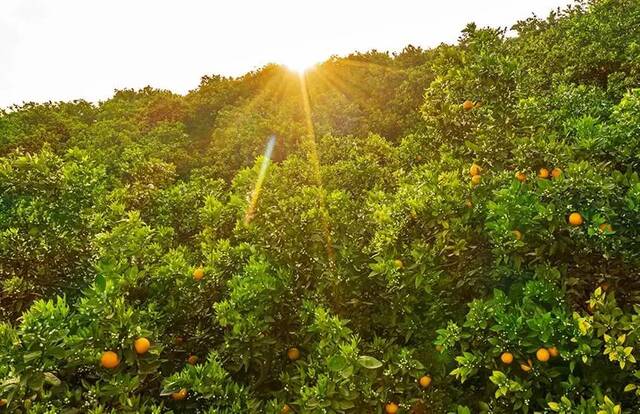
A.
pixel 84 49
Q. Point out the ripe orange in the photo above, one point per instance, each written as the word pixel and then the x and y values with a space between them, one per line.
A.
pixel 142 345
pixel 556 172
pixel 526 367
pixel 179 395
pixel 293 354
pixel 192 360
pixel 517 234
pixel 475 180
pixel 109 360
pixel 475 169
pixel 520 176
pixel 285 409
pixel 543 355
pixel 391 408
pixel 575 219
pixel 605 228
pixel 543 173
pixel 425 381
pixel 198 274
pixel 467 105
pixel 398 264
pixel 553 351
pixel 506 358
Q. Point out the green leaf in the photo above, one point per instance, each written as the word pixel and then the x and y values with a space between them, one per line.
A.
pixel 101 283
pixel 369 362
pixel 337 363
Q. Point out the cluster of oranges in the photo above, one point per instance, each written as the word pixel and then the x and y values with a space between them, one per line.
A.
pixel 475 171
pixel 575 218
pixel 543 174
pixel 542 355
pixel 111 360
pixel 392 408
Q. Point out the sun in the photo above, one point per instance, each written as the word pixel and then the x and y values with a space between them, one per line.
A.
pixel 300 62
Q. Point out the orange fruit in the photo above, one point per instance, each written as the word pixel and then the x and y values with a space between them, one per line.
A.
pixel 475 169
pixel 285 409
pixel 142 345
pixel 419 157
pixel 391 408
pixel 179 395
pixel 109 360
pixel 543 355
pixel 517 234
pixel 543 173
pixel 3 403
pixel 556 172
pixel 425 381
pixel 198 274
pixel 520 176
pixel 605 228
pixel 192 360
pixel 604 286
pixel 475 180
pixel 398 264
pixel 553 351
pixel 467 105
pixel 526 367
pixel 506 358
pixel 293 354
pixel 575 219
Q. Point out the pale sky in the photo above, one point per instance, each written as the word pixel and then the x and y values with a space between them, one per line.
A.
pixel 71 49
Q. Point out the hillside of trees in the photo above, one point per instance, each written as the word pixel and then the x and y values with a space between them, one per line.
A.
pixel 452 230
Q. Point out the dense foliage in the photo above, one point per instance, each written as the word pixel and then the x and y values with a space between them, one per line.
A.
pixel 454 230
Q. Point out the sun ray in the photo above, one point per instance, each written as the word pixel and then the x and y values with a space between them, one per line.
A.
pixel 314 159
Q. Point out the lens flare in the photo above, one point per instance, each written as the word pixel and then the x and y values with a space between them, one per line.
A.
pixel 255 194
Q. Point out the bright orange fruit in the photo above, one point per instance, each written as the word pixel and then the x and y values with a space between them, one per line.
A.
pixel 142 345
pixel 198 274
pixel 391 408
pixel 543 173
pixel 543 355
pixel 425 381
pixel 575 219
pixel 109 360
pixel 293 354
pixel 506 358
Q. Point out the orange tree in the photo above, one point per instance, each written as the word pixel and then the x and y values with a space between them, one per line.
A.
pixel 476 254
